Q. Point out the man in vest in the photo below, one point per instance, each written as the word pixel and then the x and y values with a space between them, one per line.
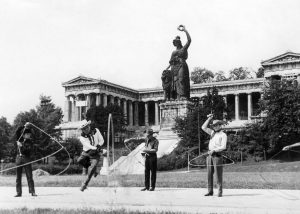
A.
pixel 217 143
pixel 151 147
pixel 92 141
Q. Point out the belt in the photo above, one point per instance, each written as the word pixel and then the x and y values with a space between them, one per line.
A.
pixel 151 154
pixel 217 154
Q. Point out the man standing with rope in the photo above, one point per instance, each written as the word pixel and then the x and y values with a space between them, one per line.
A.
pixel 217 143
pixel 92 141
pixel 151 147
pixel 25 147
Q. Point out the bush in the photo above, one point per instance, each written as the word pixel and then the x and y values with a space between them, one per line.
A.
pixel 175 160
pixel 133 143
pixel 7 166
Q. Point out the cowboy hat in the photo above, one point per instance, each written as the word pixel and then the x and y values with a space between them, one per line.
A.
pixel 84 123
pixel 217 122
pixel 150 131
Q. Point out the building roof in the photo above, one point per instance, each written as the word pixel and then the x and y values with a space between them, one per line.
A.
pixel 287 57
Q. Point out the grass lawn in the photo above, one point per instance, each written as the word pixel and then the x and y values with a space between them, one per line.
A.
pixel 262 175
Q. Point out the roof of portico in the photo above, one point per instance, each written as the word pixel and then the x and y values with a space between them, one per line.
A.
pixel 82 80
pixel 287 57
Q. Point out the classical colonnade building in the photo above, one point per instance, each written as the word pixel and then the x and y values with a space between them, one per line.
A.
pixel 141 107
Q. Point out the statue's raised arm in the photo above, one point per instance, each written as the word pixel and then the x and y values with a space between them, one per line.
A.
pixel 189 40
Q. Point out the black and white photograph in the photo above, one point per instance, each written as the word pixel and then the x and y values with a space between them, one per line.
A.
pixel 150 106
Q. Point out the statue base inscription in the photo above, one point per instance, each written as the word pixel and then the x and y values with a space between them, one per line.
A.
pixel 170 110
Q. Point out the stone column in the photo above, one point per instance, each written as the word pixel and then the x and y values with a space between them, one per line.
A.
pixel 237 111
pixel 73 115
pixel 225 100
pixel 146 114
pixel 80 113
pixel 298 79
pixel 67 110
pixel 98 99
pixel 136 113
pixel 249 106
pixel 160 112
pixel 104 100
pixel 156 122
pixel 112 99
pixel 88 101
pixel 130 116
pixel 125 110
pixel 77 110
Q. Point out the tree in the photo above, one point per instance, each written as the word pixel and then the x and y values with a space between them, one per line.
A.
pixel 73 146
pixel 260 73
pixel 5 131
pixel 240 73
pixel 187 127
pixel 46 116
pixel 220 76
pixel 99 117
pixel 49 116
pixel 281 103
pixel 201 75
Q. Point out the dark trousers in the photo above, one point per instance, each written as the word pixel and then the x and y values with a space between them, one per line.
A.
pixel 215 164
pixel 93 168
pixel 28 170
pixel 150 166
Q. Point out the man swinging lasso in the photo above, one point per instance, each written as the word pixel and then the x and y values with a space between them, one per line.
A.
pixel 92 141
pixel 25 147
pixel 217 144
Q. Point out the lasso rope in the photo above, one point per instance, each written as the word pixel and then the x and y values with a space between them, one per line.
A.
pixel 31 162
pixel 199 165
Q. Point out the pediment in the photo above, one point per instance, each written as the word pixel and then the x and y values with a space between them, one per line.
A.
pixel 284 58
pixel 80 80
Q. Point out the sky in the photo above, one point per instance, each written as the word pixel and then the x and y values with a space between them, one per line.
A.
pixel 44 43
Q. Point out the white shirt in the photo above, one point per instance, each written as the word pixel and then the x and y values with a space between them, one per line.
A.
pixel 98 140
pixel 218 141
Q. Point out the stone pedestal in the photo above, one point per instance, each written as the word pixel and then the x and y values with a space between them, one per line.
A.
pixel 169 110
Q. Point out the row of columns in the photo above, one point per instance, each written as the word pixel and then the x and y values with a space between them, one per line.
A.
pixel 237 105
pixel 74 112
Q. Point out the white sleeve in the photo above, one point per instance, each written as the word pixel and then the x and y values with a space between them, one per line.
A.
pixel 223 144
pixel 100 140
pixel 86 143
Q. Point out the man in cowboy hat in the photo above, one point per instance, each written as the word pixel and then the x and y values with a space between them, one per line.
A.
pixel 151 147
pixel 92 141
pixel 25 147
pixel 217 144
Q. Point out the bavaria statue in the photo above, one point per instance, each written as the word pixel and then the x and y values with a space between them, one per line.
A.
pixel 176 78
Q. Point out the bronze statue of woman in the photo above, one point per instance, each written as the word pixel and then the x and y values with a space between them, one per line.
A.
pixel 179 66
